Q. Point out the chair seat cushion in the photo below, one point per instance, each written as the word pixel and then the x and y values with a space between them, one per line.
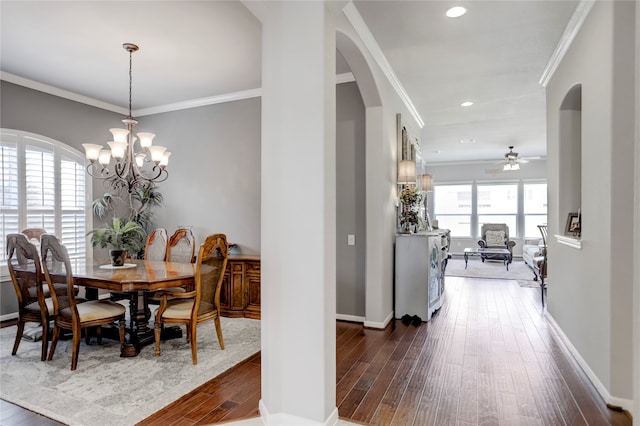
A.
pixel 181 309
pixel 96 309
pixel 178 309
pixel 35 306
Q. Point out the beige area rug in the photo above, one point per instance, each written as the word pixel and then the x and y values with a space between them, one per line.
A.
pixel 108 390
pixel 518 270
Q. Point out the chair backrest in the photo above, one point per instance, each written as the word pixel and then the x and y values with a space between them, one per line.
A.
pixel 210 266
pixel 25 269
pixel 157 245
pixel 181 246
pixel 58 273
pixel 33 233
pixel 495 229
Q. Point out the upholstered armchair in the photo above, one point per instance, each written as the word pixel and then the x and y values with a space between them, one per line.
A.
pixel 495 235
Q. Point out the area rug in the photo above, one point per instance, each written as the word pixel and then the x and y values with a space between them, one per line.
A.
pixel 108 390
pixel 518 270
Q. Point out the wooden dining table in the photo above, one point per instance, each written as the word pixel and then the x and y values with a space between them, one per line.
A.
pixel 136 279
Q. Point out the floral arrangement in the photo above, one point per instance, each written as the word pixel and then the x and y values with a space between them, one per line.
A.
pixel 410 198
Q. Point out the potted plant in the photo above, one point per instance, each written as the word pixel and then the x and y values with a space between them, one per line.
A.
pixel 121 237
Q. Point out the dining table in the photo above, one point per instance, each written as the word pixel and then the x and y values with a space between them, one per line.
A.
pixel 135 280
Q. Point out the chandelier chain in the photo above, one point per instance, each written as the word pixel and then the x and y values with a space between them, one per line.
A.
pixel 130 79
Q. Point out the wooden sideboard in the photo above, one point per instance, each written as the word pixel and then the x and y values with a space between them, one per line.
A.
pixel 240 293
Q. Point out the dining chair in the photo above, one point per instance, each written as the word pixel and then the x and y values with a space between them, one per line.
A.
pixel 202 304
pixel 181 246
pixel 154 251
pixel 25 270
pixel 69 313
pixel 157 245
pixel 33 233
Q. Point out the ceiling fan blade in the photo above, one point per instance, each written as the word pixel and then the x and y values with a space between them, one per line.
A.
pixel 522 160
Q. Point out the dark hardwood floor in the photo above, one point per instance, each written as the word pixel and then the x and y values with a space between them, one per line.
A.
pixel 487 358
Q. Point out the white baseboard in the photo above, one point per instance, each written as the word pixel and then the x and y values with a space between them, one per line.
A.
pixel 284 419
pixel 380 325
pixel 10 316
pixel 627 404
pixel 350 318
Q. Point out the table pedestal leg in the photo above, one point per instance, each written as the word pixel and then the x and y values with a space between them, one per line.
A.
pixel 466 259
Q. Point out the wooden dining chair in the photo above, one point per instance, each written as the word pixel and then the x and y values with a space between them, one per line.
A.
pixel 202 304
pixel 25 270
pixel 153 251
pixel 69 313
pixel 33 233
pixel 157 245
pixel 181 246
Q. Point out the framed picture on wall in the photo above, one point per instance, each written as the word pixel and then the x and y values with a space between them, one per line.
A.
pixel 573 224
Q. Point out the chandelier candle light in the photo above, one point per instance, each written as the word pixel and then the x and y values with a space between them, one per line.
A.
pixel 128 169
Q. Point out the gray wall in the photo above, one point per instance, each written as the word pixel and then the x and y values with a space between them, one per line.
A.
pixel 350 201
pixel 596 281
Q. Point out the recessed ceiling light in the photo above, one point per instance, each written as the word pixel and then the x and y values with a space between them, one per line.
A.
pixel 466 103
pixel 456 12
pixel 467 141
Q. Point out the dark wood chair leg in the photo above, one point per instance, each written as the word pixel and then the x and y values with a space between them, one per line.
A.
pixel 18 337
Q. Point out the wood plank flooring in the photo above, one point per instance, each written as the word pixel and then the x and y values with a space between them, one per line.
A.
pixel 487 358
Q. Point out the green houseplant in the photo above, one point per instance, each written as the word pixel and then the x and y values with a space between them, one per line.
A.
pixel 121 237
pixel 136 204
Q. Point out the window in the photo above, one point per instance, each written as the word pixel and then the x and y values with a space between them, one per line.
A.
pixel 535 208
pixel 44 185
pixel 498 204
pixel 454 208
pixel 464 208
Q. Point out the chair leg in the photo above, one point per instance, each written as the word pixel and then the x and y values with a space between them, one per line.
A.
pixel 45 341
pixel 18 337
pixel 219 332
pixel 75 348
pixel 54 341
pixel 157 331
pixel 194 349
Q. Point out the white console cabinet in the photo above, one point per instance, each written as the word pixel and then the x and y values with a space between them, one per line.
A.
pixel 421 259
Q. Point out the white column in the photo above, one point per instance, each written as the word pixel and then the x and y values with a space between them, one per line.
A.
pixel 298 214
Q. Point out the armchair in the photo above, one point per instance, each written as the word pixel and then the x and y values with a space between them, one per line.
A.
pixel 495 235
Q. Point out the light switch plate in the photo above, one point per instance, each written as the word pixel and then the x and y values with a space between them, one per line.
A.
pixel 351 240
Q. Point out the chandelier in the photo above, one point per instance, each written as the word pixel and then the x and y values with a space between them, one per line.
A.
pixel 130 168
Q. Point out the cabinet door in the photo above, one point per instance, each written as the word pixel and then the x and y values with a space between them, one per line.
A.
pixel 237 280
pixel 253 290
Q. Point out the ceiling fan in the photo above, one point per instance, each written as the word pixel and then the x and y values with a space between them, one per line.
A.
pixel 512 160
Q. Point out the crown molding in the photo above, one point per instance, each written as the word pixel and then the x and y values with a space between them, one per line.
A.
pixel 31 84
pixel 570 32
pixel 347 77
pixel 352 14
pixel 194 103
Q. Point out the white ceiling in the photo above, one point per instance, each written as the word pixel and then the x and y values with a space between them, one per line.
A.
pixel 494 56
